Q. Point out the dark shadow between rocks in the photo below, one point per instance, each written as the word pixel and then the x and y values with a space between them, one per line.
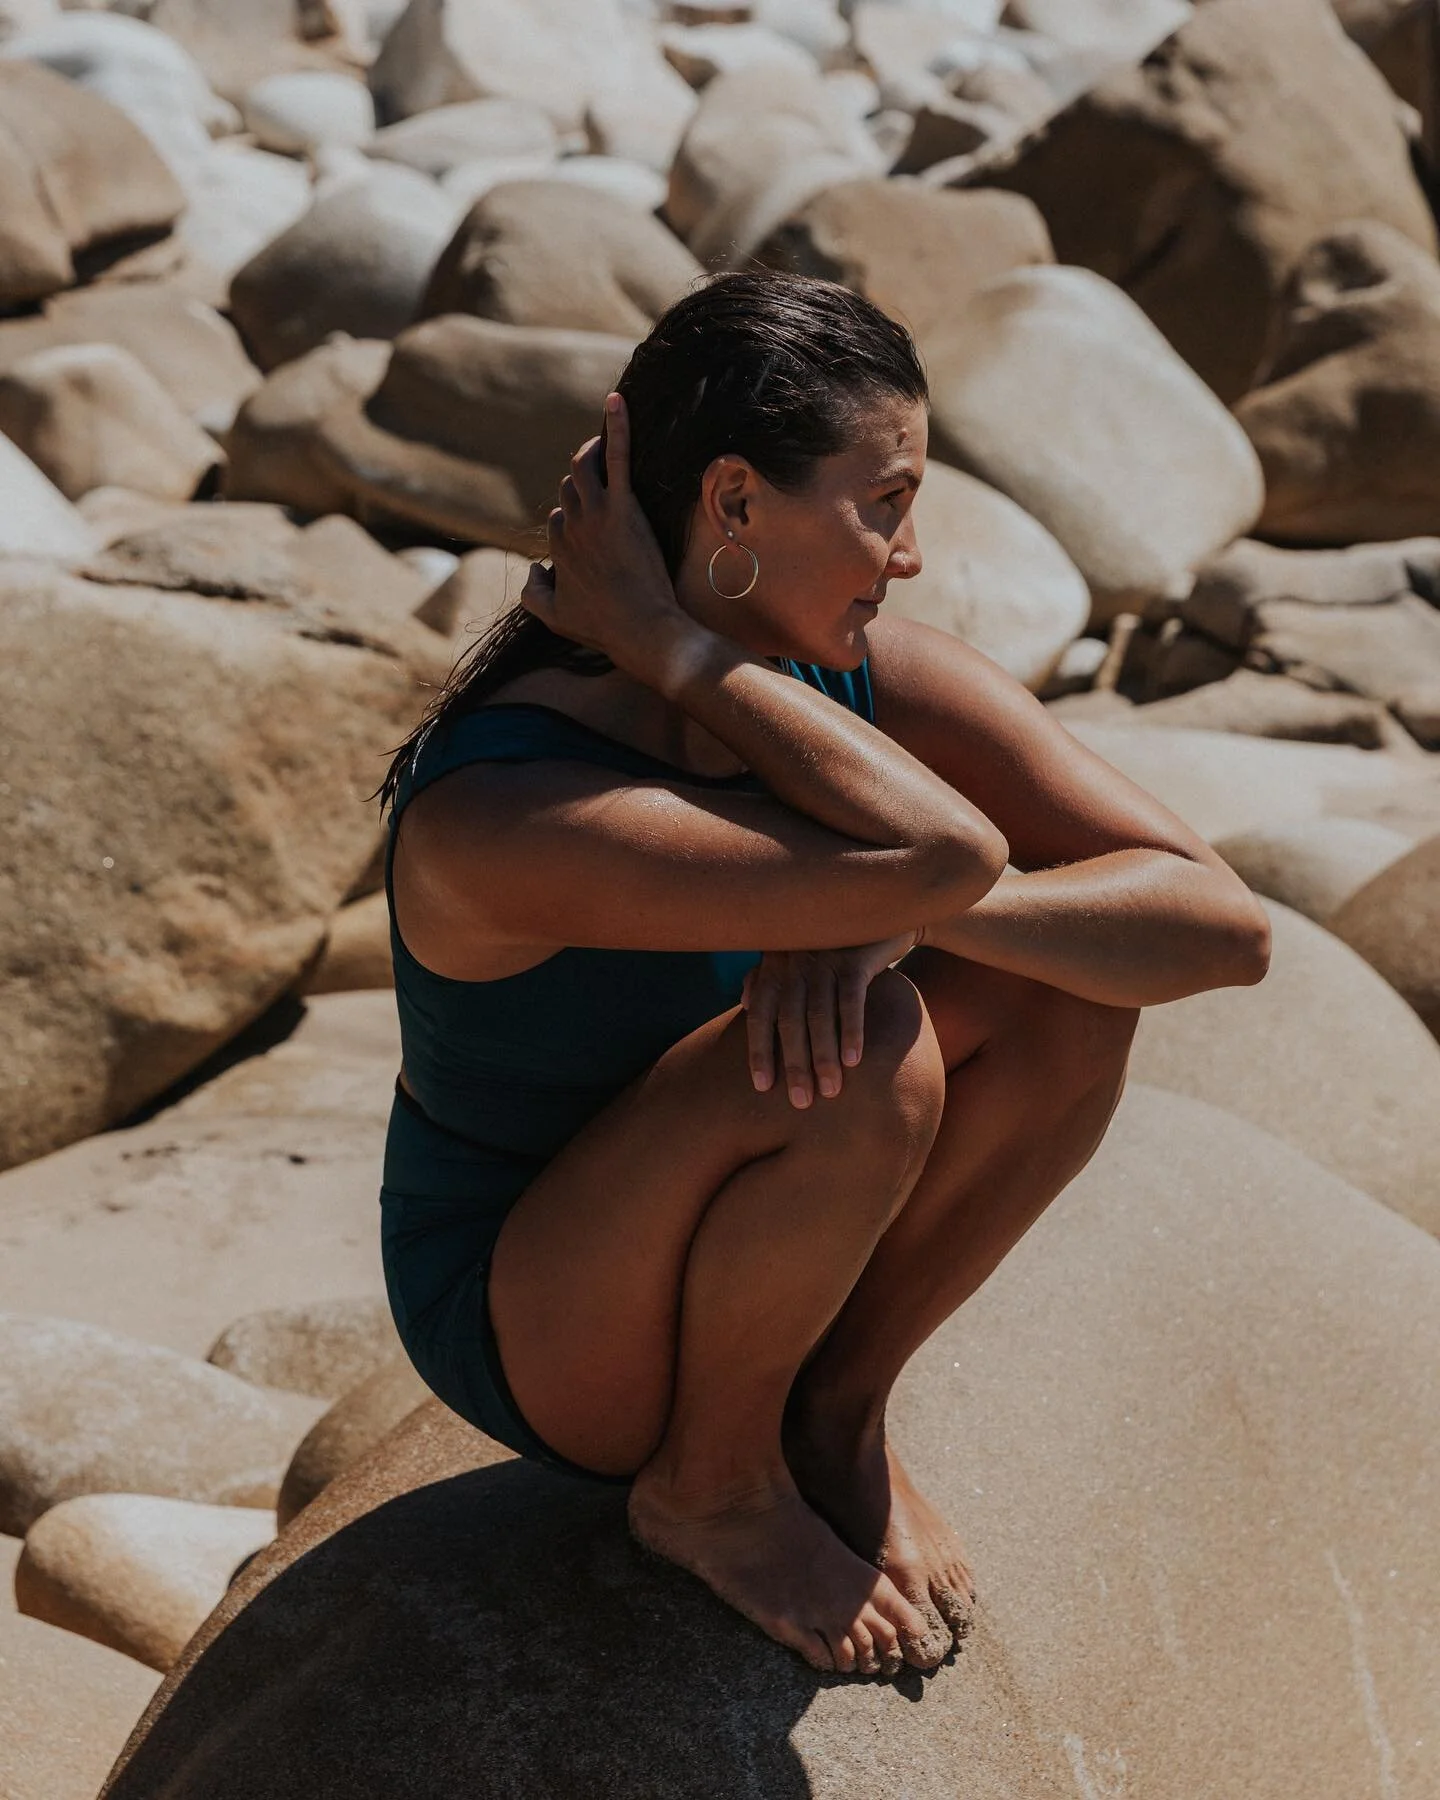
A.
pixel 494 1634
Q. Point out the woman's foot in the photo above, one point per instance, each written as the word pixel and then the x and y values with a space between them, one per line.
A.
pixel 766 1554
pixel 859 1484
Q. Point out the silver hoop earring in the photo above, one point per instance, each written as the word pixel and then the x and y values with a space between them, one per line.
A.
pixel 754 570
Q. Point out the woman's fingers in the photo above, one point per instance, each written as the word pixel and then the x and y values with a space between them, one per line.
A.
pixel 617 445
pixel 822 1021
pixel 760 998
pixel 792 1025
pixel 586 471
pixel 850 1008
pixel 538 594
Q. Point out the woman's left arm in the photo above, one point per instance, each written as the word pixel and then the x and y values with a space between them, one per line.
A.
pixel 1109 896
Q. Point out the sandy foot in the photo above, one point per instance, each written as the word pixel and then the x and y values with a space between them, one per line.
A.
pixel 771 1558
pixel 868 1497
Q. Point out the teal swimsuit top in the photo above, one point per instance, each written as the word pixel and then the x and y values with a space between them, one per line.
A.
pixel 519 1064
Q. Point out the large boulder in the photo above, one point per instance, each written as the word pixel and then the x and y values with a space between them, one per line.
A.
pixel 354 1425
pixel 1346 413
pixel 917 252
pixel 356 952
pixel 77 179
pixel 1222 783
pixel 1394 923
pixel 277 1159
pixel 992 576
pixel 191 351
pixel 1313 866
pixel 136 1572
pixel 92 415
pixel 1361 1099
pixel 88 1412
pixel 241 199
pixel 276 447
pixel 171 856
pixel 144 72
pixel 559 254
pixel 468 131
pixel 237 42
pixel 1053 386
pixel 66 1708
pixel 1268 706
pixel 35 517
pixel 357 262
pixel 1182 179
pixel 1201 1390
pixel 472 427
pixel 762 143
pixel 554 54
pixel 325 1347
pixel 302 110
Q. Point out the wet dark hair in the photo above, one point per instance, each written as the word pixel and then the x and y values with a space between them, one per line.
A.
pixel 775 368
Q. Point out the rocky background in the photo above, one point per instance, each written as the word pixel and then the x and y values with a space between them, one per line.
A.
pixel 303 304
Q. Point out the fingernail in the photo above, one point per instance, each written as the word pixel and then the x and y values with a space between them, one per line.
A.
pixel 762 1082
pixel 851 1056
pixel 829 1086
pixel 612 403
pixel 799 1096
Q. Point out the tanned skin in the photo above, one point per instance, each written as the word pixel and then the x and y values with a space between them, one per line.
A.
pixel 713 1287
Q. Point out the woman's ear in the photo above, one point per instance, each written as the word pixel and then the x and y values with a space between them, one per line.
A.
pixel 726 493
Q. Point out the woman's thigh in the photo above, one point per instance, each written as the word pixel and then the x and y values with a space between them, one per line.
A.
pixel 585 1283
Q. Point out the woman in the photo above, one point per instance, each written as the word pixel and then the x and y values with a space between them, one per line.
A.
pixel 697 799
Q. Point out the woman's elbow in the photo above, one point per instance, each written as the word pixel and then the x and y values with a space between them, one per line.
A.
pixel 967 862
pixel 1245 936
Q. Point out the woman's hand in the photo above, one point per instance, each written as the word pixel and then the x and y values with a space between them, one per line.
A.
pixel 815 1001
pixel 608 588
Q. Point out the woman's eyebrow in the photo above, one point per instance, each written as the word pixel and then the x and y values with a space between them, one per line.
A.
pixel 904 473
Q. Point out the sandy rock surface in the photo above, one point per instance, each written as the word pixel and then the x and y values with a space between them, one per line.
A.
pixel 1218 1311
pixel 86 1411
pixel 1362 1101
pixel 1346 412
pixel 325 1348
pixel 1391 922
pixel 354 1425
pixel 164 931
pixel 266 1177
pixel 133 1571
pixel 75 175
pixel 66 1708
pixel 92 415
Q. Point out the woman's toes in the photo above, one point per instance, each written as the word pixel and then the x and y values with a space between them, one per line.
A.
pixel 885 1643
pixel 954 1606
pixel 842 1648
pixel 866 1661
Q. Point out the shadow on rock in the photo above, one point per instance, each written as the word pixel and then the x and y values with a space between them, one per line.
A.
pixel 496 1633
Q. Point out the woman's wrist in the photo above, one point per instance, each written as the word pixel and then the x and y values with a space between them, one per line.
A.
pixel 675 653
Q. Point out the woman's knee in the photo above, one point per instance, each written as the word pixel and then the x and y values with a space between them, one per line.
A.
pixel 901 1072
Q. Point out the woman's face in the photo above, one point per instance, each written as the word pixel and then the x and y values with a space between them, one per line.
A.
pixel 826 554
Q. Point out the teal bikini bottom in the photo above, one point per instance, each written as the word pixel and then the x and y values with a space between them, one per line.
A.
pixel 442 1204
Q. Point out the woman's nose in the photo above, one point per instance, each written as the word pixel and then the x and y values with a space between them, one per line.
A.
pixel 905 561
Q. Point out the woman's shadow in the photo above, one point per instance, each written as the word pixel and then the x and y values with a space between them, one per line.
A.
pixel 496 1633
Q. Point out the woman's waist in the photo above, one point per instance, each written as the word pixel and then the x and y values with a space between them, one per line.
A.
pixel 499 1119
